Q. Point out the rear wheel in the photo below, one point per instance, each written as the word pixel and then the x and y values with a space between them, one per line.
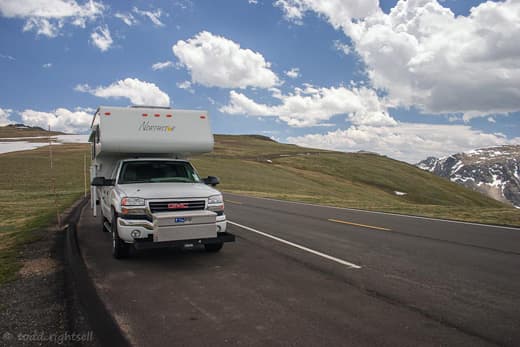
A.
pixel 213 247
pixel 120 249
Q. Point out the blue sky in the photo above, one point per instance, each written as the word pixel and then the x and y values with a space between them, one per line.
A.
pixel 404 79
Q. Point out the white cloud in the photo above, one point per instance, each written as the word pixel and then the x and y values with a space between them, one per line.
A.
pixel 186 85
pixel 137 91
pixel 293 73
pixel 47 65
pixel 491 120
pixel 216 61
pixel 47 17
pixel 315 105
pixel 425 56
pixel 410 142
pixel 162 65
pixel 454 118
pixel 60 119
pixel 7 56
pixel 101 38
pixel 342 47
pixel 42 26
pixel 127 18
pixel 154 16
pixel 336 11
pixel 253 2
pixel 4 116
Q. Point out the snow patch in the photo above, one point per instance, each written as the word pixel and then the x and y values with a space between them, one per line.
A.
pixel 16 146
pixel 7 147
pixel 457 167
pixel 398 193
pixel 72 138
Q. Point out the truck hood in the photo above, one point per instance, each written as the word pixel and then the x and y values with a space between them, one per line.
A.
pixel 167 190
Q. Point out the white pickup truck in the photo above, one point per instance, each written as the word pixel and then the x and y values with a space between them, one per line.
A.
pixel 150 195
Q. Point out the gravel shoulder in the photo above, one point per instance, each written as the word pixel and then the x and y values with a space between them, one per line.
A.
pixel 39 307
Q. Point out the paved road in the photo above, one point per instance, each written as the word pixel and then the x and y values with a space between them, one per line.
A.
pixel 308 275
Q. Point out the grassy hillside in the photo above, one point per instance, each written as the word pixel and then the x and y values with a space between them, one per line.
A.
pixel 358 180
pixel 14 130
pixel 27 201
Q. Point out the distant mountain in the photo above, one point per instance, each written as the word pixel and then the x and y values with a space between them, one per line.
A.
pixel 22 130
pixel 494 171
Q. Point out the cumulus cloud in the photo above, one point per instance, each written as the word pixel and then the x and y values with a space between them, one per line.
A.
pixel 153 16
pixel 423 55
pixel 410 142
pixel 4 116
pixel 48 17
pixel 216 61
pixel 313 106
pixel 336 11
pixel 293 73
pixel 101 38
pixel 61 119
pixel 162 65
pixel 137 91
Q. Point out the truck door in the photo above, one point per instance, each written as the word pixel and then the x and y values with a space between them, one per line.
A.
pixel 106 195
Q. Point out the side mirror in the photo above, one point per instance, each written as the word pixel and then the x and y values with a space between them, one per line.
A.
pixel 211 180
pixel 101 182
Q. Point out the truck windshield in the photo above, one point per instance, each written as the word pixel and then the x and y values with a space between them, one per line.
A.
pixel 157 171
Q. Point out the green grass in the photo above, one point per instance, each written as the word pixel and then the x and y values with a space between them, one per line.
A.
pixel 27 202
pixel 357 180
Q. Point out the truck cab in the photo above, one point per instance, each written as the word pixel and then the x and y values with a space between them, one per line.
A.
pixel 154 198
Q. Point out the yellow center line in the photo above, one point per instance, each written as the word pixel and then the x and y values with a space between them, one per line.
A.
pixel 359 225
pixel 233 202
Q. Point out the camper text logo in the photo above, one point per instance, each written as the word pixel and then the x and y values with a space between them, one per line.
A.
pixel 147 126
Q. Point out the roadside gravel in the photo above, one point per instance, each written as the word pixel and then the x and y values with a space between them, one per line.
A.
pixel 39 307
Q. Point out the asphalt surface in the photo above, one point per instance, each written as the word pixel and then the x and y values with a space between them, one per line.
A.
pixel 308 275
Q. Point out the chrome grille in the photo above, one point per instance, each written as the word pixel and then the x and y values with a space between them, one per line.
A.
pixel 168 206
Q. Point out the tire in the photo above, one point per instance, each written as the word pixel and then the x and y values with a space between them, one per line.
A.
pixel 213 247
pixel 120 249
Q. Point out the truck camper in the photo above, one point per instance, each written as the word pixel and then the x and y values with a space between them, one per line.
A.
pixel 149 194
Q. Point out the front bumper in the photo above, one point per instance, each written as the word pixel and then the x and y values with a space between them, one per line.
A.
pixel 136 230
pixel 150 244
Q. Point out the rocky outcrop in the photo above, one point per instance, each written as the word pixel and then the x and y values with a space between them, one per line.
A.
pixel 493 171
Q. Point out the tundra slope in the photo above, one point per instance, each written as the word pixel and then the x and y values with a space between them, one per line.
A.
pixel 494 171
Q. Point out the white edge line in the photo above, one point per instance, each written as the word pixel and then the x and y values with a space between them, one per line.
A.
pixel 378 212
pixel 303 248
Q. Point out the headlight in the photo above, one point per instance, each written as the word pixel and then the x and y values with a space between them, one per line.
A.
pixel 132 202
pixel 215 200
pixel 216 203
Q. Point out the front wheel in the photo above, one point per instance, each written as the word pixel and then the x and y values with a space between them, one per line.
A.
pixel 120 249
pixel 213 247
